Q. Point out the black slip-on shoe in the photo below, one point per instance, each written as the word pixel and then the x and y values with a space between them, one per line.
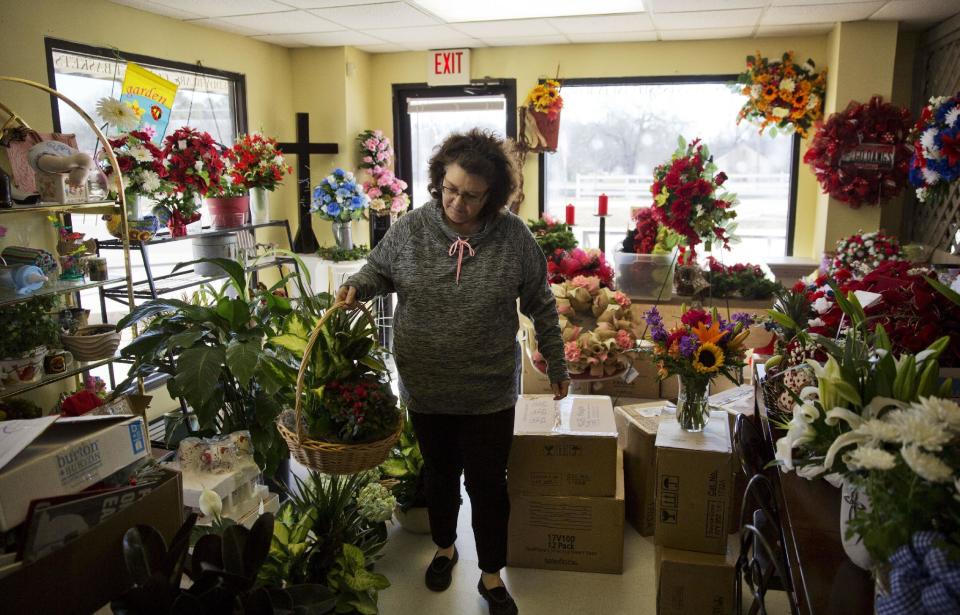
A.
pixel 440 571
pixel 498 599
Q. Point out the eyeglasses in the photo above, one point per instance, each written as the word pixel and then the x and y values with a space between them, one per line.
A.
pixel 465 197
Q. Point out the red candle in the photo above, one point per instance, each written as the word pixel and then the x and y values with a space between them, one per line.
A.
pixel 570 214
pixel 602 205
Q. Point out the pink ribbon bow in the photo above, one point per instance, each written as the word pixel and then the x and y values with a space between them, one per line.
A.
pixel 460 244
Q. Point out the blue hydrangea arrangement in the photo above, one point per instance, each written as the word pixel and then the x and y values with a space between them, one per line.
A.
pixel 339 197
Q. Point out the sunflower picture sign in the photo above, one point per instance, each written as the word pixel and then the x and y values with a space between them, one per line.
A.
pixel 783 94
pixel 151 98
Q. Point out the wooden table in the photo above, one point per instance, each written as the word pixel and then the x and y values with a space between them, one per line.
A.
pixel 826 582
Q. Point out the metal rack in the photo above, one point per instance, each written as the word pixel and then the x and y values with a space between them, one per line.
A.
pixel 103 207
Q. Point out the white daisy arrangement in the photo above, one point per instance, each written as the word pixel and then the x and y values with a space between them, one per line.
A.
pixel 118 114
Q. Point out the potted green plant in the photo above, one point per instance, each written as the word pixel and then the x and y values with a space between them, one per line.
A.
pixel 405 467
pixel 26 329
pixel 213 352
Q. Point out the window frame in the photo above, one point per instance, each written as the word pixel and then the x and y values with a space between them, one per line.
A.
pixel 683 80
pixel 401 123
pixel 111 53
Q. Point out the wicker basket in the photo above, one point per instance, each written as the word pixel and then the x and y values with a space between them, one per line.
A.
pixel 331 457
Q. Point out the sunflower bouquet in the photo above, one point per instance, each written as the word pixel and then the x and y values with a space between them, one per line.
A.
pixel 545 98
pixel 698 349
pixel 785 94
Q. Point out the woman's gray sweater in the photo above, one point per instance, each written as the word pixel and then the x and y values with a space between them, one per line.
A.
pixel 455 342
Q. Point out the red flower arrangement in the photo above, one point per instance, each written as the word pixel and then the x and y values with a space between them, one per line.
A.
pixel 140 162
pixel 686 201
pixel 913 313
pixel 861 155
pixel 862 253
pixel 357 409
pixel 644 239
pixel 194 166
pixel 564 265
pixel 257 162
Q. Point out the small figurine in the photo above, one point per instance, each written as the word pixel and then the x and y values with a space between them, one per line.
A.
pixel 51 161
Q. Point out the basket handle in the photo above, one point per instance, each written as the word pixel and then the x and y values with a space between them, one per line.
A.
pixel 311 342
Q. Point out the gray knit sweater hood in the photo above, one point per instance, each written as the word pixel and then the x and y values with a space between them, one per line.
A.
pixel 455 341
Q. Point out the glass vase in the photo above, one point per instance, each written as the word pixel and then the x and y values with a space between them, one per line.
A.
pixel 693 409
pixel 259 205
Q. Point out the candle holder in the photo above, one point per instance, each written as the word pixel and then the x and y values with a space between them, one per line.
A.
pixel 603 230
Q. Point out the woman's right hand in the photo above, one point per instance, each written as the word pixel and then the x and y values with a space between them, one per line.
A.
pixel 347 294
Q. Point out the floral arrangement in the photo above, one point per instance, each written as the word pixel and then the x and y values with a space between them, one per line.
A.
pixel 686 200
pixel 194 166
pixel 936 149
pixel 596 325
pixel 256 162
pixel 862 253
pixel 545 98
pixel 739 280
pixel 118 114
pixel 140 162
pixel 339 197
pixel 650 237
pixel 564 265
pixel 91 396
pixel 359 408
pixel 375 149
pixel 386 193
pixel 861 155
pixel 552 235
pixel 702 346
pixel 785 94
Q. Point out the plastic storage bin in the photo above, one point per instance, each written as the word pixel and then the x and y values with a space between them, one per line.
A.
pixel 645 276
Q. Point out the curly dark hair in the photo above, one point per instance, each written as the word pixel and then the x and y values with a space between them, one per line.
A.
pixel 482 153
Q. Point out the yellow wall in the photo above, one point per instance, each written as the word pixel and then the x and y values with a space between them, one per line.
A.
pixel 528 64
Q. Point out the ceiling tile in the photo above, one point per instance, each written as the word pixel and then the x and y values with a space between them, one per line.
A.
pixel 684 6
pixel 917 10
pixel 323 4
pixel 382 15
pixel 445 44
pixel 336 39
pixel 612 37
pixel 459 11
pixel 288 22
pixel 417 35
pixel 792 15
pixel 737 18
pixel 219 8
pixel 284 40
pixel 506 27
pixel 633 22
pixel 795 30
pixel 705 33
pixel 226 26
pixel 382 48
pixel 519 41
pixel 159 9
pixel 812 2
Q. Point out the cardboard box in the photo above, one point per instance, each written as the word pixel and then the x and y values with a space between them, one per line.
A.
pixel 68 457
pixel 90 571
pixel 583 534
pixel 637 428
pixel 693 485
pixel 642 381
pixel 691 582
pixel 564 448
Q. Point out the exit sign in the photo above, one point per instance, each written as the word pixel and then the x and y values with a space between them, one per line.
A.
pixel 448 67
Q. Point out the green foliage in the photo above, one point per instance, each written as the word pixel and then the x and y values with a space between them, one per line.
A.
pixel 552 236
pixel 338 254
pixel 320 536
pixel 26 325
pixel 740 280
pixel 405 464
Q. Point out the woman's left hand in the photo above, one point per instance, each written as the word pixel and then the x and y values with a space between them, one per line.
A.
pixel 560 389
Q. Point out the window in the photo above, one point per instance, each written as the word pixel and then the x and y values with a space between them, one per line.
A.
pixel 613 135
pixel 425 116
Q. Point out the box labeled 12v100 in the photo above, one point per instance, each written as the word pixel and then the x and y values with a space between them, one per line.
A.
pixel 566 447
pixel 694 485
pixel 564 532
pixel 67 457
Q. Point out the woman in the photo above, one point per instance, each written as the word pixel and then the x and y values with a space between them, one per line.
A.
pixel 458 265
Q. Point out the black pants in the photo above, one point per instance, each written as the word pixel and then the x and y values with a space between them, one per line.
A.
pixel 476 446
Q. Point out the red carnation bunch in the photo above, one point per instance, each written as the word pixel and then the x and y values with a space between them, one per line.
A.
pixel 645 238
pixel 257 162
pixel 565 265
pixel 686 200
pixel 193 161
pixel 861 155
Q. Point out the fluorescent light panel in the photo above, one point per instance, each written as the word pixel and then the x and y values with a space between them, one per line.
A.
pixel 489 10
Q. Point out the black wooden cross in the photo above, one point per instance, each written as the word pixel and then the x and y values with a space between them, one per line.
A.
pixel 305 242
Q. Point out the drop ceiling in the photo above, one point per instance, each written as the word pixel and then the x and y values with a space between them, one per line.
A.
pixel 385 27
